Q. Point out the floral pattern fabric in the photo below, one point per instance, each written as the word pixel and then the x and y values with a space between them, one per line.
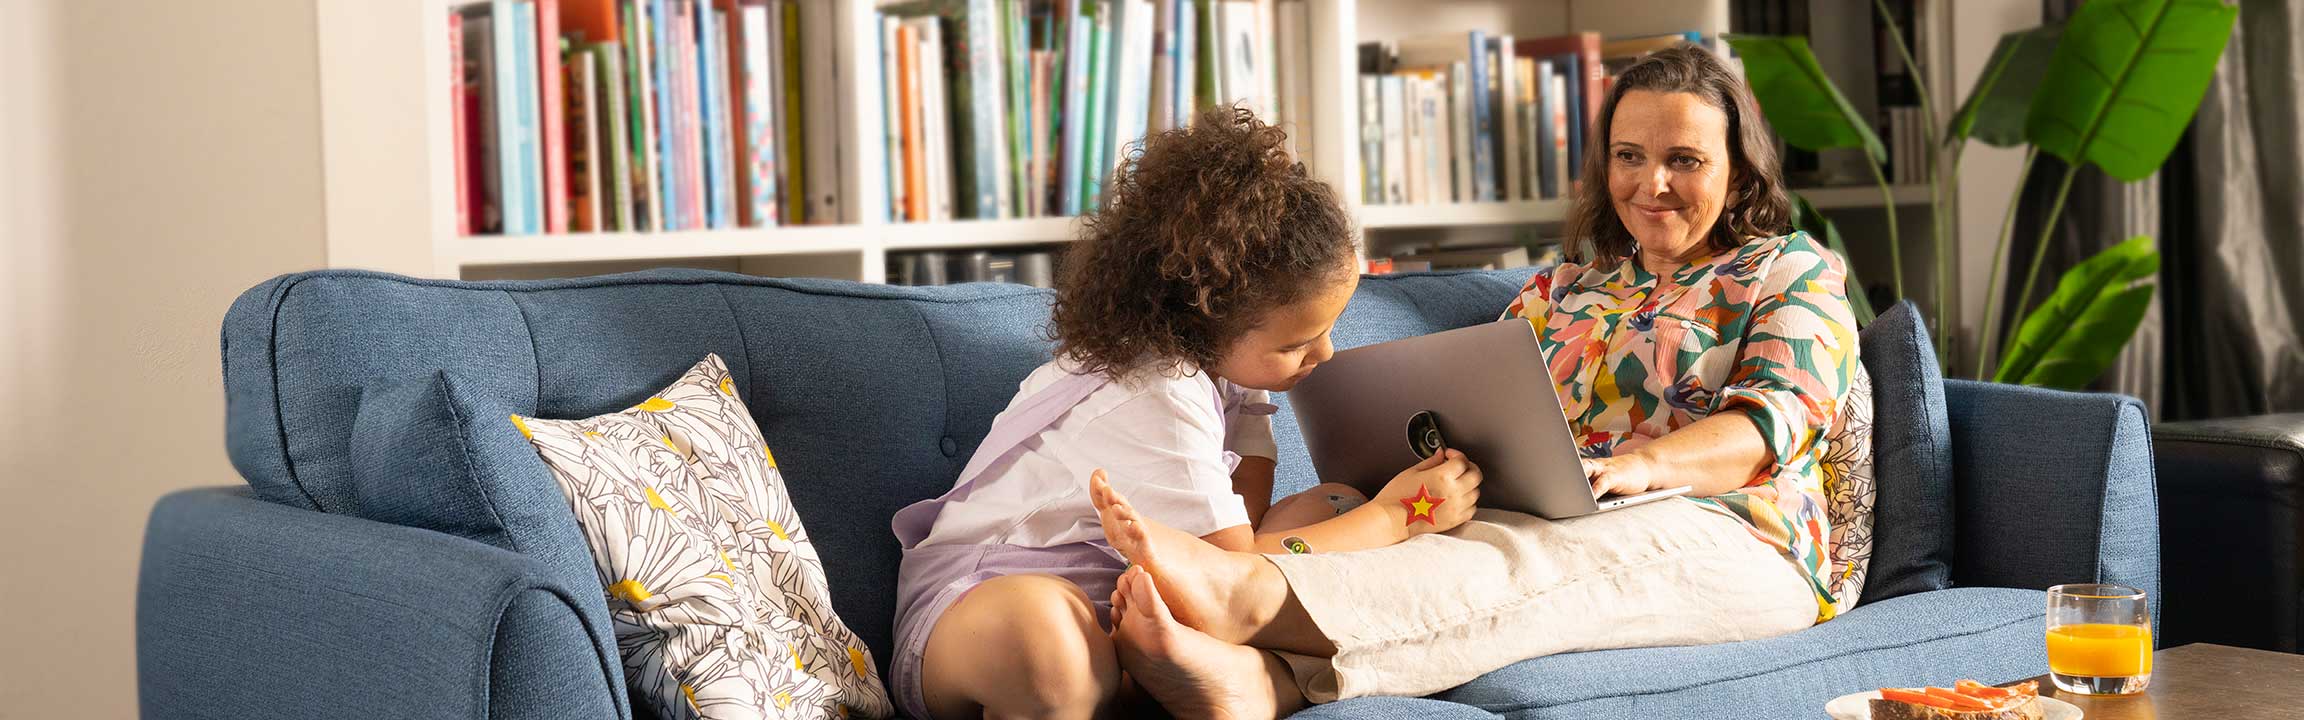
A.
pixel 720 603
pixel 1764 328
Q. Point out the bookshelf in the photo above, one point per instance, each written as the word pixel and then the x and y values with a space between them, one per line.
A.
pixel 388 139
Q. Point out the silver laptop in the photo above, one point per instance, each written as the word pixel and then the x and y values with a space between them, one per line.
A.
pixel 1372 411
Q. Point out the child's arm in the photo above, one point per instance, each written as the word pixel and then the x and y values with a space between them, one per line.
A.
pixel 1253 482
pixel 1450 480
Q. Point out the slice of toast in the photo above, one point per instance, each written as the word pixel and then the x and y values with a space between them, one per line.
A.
pixel 2028 709
pixel 1965 700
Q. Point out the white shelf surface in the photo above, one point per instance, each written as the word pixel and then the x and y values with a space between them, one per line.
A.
pixel 1517 212
pixel 977 233
pixel 590 247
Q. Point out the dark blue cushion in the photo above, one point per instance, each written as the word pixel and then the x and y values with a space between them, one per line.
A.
pixel 1912 519
pixel 1988 634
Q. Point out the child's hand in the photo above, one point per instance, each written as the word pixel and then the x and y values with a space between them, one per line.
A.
pixel 1436 495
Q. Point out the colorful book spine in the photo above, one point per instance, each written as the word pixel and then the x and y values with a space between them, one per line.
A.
pixel 523 172
pixel 1460 131
pixel 915 151
pixel 551 81
pixel 711 118
pixel 1132 94
pixel 647 171
pixel 660 22
pixel 821 92
pixel 1017 38
pixel 795 160
pixel 1483 122
pixel 583 152
pixel 1508 111
pixel 456 107
pixel 1097 120
pixel 1160 100
pixel 1183 54
pixel 1371 140
pixel 759 122
pixel 616 175
pixel 690 88
pixel 1077 55
pixel 988 122
pixel 893 116
pixel 1573 65
pixel 1547 154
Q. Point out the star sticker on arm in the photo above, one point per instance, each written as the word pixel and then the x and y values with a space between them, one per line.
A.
pixel 1420 507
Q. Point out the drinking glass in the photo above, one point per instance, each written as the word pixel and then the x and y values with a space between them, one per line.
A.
pixel 2099 639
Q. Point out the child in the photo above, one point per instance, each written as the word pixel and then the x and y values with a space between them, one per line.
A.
pixel 1211 275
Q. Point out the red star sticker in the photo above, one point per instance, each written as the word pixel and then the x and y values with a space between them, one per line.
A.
pixel 1420 507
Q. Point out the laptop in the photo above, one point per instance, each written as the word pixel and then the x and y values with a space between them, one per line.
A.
pixel 1373 411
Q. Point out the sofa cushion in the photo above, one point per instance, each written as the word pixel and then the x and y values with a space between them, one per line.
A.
pixel 720 597
pixel 1912 528
pixel 1994 632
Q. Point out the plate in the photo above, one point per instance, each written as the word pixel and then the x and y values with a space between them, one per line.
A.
pixel 1858 706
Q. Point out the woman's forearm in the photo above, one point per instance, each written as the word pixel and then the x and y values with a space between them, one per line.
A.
pixel 1715 455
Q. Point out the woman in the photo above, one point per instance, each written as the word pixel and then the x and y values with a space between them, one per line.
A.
pixel 1695 343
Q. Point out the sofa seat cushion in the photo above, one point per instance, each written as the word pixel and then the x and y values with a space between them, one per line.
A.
pixel 1997 634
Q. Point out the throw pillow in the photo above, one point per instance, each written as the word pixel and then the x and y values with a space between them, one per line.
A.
pixel 1849 492
pixel 1912 452
pixel 720 602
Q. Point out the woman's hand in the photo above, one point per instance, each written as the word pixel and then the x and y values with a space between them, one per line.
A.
pixel 1627 474
pixel 1435 495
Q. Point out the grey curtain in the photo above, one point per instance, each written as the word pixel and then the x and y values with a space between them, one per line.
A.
pixel 2233 237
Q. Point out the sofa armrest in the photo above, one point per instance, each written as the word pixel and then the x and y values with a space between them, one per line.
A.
pixel 2051 487
pixel 249 609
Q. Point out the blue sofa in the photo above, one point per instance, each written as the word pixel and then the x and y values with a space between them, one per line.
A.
pixel 305 594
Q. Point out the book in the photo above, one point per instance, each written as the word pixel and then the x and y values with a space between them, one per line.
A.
pixel 1531 93
pixel 523 172
pixel 1078 50
pixel 987 113
pixel 1095 121
pixel 1208 69
pixel 1411 120
pixel 1162 92
pixel 894 115
pixel 1547 148
pixel 583 145
pixel 915 149
pixel 1432 102
pixel 793 120
pixel 550 82
pixel 1043 133
pixel 1184 54
pixel 936 121
pixel 1243 68
pixel 1508 110
pixel 461 129
pixel 1563 124
pixel 662 94
pixel 1016 37
pixel 821 122
pixel 710 103
pixel 1132 79
pixel 757 146
pixel 1460 133
pixel 688 115
pixel 1037 269
pixel 489 149
pixel 1372 139
pixel 1395 140
pixel 1500 257
pixel 615 132
pixel 649 191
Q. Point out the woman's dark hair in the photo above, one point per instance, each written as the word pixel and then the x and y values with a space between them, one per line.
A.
pixel 1756 205
pixel 1201 230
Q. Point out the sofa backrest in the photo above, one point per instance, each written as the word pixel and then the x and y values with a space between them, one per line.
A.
pixel 872 397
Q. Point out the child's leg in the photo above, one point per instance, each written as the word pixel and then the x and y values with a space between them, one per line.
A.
pixel 1321 502
pixel 1191 674
pixel 1020 646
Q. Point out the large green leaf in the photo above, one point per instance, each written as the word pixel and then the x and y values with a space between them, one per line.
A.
pixel 1994 112
pixel 2071 338
pixel 1801 103
pixel 1805 218
pixel 2125 81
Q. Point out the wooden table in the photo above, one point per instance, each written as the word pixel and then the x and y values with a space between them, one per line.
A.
pixel 2212 682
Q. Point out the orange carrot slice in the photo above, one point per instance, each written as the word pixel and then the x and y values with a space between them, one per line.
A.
pixel 1958 701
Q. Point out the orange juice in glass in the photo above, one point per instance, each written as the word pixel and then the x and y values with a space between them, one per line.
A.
pixel 2099 639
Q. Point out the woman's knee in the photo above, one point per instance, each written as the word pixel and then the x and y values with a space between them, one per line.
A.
pixel 1021 646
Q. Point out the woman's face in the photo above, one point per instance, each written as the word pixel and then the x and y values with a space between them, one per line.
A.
pixel 1668 170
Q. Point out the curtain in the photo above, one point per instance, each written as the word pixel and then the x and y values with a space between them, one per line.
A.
pixel 2233 237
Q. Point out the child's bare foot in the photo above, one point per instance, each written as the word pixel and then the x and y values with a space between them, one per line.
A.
pixel 1191 674
pixel 1227 595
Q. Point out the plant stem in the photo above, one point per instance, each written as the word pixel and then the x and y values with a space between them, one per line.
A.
pixel 2040 250
pixel 1987 340
pixel 1888 203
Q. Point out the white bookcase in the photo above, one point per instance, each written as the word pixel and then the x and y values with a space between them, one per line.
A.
pixel 389 172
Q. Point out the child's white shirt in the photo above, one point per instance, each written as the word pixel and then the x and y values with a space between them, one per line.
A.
pixel 1158 435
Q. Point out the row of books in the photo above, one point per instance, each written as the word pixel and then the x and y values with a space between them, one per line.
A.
pixel 1036 268
pixel 1478 117
pixel 642 115
pixel 1021 108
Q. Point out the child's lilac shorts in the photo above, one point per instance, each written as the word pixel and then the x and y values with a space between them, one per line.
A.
pixel 935 577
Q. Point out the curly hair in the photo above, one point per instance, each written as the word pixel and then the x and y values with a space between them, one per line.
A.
pixel 1201 230
pixel 1757 205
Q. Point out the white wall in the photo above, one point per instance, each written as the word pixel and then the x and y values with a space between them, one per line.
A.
pixel 156 158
